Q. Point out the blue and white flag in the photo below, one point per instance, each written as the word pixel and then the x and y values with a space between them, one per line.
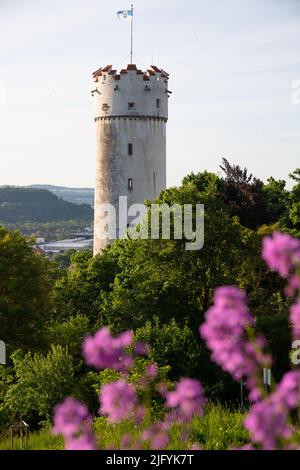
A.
pixel 125 14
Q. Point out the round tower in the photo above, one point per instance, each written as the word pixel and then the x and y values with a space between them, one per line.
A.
pixel 130 112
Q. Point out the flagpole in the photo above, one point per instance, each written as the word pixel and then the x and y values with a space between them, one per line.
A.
pixel 131 49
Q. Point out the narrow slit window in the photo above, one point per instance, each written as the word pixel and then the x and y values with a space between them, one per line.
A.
pixel 130 184
pixel 130 149
pixel 131 105
pixel 158 103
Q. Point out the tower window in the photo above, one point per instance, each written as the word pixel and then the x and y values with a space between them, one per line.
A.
pixel 130 184
pixel 131 105
pixel 158 103
pixel 130 149
pixel 105 107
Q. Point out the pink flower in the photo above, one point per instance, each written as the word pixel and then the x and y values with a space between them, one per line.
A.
pixel 127 442
pixel 245 447
pixel 224 332
pixel 295 319
pixel 159 441
pixel 281 253
pixel 157 436
pixel 188 398
pixel 267 421
pixel 230 297
pixel 288 391
pixel 139 414
pixel 84 442
pixel 293 286
pixel 151 371
pixel 118 400
pixel 104 351
pixel 69 417
pixel 196 447
pixel 142 349
pixel 162 389
pixel 267 424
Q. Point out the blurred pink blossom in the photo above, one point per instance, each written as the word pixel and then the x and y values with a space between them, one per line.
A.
pixel 281 253
pixel 103 351
pixel 118 400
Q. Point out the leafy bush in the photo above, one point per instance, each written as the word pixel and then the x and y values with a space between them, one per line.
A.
pixel 40 382
pixel 172 345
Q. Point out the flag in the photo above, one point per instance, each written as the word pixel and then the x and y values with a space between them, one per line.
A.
pixel 125 14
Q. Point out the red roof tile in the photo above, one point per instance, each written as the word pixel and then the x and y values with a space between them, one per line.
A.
pixel 107 68
pixel 165 73
pixel 97 73
pixel 156 69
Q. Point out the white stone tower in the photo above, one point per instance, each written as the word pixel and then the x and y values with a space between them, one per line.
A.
pixel 131 112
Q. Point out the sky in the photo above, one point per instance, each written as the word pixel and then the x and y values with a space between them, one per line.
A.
pixel 232 63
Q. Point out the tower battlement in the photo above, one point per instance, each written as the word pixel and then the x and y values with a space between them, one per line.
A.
pixel 130 92
pixel 147 75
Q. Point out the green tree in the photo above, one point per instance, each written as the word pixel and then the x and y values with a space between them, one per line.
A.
pixel 172 345
pixel 294 213
pixel 80 290
pixel 244 195
pixel 69 334
pixel 277 199
pixel 160 277
pixel 26 282
pixel 40 383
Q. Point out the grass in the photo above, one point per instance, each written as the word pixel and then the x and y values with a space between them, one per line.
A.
pixel 42 440
pixel 220 429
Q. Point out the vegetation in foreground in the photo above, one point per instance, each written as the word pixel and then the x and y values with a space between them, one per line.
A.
pixel 156 288
pixel 219 429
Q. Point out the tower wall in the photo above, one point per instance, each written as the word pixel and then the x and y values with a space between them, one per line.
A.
pixel 130 112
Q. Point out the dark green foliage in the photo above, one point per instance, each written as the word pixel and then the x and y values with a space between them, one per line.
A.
pixel 172 345
pixel 277 331
pixel 294 212
pixel 26 283
pixel 244 196
pixel 277 200
pixel 80 290
pixel 70 334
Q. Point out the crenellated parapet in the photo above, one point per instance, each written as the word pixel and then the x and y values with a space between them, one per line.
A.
pixel 131 92
pixel 153 71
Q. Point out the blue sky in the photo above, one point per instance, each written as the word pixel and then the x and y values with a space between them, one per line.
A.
pixel 232 64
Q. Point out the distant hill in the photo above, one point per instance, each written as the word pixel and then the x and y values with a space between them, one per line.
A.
pixel 74 195
pixel 20 205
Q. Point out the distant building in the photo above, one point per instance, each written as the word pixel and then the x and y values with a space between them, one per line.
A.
pixel 87 235
pixel 77 244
